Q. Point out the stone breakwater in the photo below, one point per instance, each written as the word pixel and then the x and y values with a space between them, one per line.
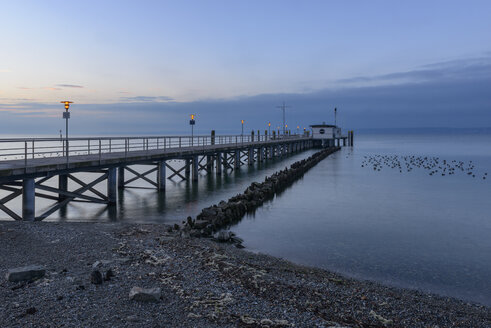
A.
pixel 216 217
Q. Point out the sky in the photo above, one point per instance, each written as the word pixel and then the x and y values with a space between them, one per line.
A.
pixel 141 67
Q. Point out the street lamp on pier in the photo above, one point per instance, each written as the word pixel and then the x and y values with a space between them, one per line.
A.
pixel 66 116
pixel 192 122
pixel 242 134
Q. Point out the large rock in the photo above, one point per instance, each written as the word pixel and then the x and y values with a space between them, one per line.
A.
pixel 96 277
pixel 200 224
pixel 222 204
pixel 208 212
pixel 145 295
pixel 27 273
pixel 224 236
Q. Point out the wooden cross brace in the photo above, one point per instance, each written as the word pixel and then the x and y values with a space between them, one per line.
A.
pixel 176 172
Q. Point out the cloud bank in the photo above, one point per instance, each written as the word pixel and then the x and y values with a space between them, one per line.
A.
pixel 450 94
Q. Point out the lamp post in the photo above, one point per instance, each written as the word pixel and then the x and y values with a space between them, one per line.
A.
pixel 298 128
pixel 66 116
pixel 335 114
pixel 242 134
pixel 192 122
pixel 269 128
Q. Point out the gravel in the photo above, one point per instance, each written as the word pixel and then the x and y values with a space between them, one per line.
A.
pixel 202 284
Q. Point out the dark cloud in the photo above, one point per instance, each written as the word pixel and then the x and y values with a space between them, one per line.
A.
pixel 147 99
pixel 457 69
pixel 69 86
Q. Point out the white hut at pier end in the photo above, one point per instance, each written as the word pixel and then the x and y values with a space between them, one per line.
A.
pixel 327 135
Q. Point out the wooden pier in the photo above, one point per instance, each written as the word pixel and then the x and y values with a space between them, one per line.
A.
pixel 27 164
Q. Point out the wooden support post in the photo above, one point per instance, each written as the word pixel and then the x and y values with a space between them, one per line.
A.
pixel 62 185
pixel 219 163
pixel 250 156
pixel 112 190
pixel 209 163
pixel 121 177
pixel 187 166
pixel 260 152
pixel 237 159
pixel 195 168
pixel 161 175
pixel 28 199
pixel 225 161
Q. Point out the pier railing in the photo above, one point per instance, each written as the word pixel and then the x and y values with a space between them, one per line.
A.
pixel 32 148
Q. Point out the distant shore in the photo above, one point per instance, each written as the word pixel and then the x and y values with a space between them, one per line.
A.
pixel 202 284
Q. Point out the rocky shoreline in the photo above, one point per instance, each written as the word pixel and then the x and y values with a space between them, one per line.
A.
pixel 161 279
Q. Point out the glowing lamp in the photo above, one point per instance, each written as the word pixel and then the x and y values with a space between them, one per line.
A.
pixel 67 103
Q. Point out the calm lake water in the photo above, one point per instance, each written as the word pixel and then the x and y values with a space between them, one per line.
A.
pixel 393 225
pixel 409 229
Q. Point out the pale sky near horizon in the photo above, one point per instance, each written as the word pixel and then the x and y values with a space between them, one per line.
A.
pixel 121 52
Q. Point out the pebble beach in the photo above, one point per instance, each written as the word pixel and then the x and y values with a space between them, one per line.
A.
pixel 197 282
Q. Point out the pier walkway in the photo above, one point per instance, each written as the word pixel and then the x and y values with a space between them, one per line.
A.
pixel 27 164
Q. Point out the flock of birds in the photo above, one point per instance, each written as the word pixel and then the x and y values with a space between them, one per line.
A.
pixel 434 165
